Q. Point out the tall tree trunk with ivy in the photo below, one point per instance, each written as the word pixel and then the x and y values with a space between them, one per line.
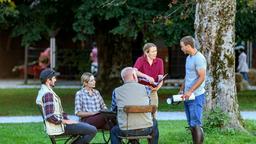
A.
pixel 215 35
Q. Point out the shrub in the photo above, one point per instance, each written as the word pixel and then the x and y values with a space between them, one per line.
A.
pixel 215 118
pixel 252 76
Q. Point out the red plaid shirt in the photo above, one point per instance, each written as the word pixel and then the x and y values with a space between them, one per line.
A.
pixel 49 109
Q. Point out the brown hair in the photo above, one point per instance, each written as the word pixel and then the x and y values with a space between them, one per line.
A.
pixel 188 40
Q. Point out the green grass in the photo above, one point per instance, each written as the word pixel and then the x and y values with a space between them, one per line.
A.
pixel 22 101
pixel 171 132
pixel 247 100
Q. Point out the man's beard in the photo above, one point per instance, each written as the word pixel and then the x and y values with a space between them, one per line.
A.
pixel 52 85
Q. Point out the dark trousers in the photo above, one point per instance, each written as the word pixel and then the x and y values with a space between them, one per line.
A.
pixel 85 130
pixel 96 120
pixel 116 131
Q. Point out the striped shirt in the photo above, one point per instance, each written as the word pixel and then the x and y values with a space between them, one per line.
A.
pixel 84 102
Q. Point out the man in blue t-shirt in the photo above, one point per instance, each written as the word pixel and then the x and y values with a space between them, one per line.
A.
pixel 194 83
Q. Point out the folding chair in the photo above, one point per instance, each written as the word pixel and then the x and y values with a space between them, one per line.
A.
pixel 68 139
pixel 138 109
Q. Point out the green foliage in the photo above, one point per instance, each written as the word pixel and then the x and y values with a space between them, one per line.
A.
pixel 154 19
pixel 76 59
pixel 215 118
pixel 7 13
pixel 245 20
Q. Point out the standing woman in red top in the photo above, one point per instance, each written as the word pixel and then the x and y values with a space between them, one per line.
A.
pixel 151 67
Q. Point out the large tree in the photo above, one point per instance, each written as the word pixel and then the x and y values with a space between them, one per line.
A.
pixel 120 26
pixel 215 34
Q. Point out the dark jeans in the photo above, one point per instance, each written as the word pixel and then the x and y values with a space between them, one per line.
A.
pixel 96 120
pixel 86 131
pixel 116 131
pixel 194 110
pixel 245 75
pixel 101 121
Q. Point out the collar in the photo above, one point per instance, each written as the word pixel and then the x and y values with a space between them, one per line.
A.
pixel 130 81
pixel 194 53
pixel 85 90
pixel 146 60
pixel 44 86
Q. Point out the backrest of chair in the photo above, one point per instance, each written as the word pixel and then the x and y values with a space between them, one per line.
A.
pixel 139 108
pixel 41 111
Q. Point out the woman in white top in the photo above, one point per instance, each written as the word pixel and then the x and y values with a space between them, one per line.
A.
pixel 242 64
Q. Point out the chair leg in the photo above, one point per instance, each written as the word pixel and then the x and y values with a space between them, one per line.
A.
pixel 53 140
pixel 150 140
pixel 105 138
pixel 71 139
pixel 134 141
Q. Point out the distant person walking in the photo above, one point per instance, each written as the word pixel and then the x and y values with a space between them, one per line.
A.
pixel 94 59
pixel 242 64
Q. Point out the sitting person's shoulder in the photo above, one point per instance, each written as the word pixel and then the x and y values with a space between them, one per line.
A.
pixel 79 92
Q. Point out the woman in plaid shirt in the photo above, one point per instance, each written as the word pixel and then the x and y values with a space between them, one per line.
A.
pixel 88 102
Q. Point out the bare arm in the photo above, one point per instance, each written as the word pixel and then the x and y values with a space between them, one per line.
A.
pixel 140 74
pixel 181 91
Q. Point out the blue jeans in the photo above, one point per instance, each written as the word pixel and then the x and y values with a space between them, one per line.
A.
pixel 194 110
pixel 245 75
pixel 85 130
pixel 116 131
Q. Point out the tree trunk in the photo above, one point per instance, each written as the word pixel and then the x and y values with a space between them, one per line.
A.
pixel 114 53
pixel 215 36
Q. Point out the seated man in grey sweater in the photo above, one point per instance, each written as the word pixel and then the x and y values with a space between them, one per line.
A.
pixel 132 93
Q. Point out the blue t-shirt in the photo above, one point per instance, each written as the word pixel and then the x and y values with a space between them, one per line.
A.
pixel 193 64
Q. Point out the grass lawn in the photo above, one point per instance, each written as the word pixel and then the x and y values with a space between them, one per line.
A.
pixel 22 101
pixel 171 132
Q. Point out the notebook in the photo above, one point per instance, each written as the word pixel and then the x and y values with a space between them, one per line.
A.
pixel 145 81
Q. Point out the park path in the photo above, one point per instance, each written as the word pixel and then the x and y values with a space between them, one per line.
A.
pixel 248 115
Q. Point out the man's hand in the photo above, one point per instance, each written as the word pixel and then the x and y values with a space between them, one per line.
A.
pixel 186 95
pixel 64 121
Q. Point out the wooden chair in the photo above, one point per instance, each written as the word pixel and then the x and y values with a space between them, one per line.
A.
pixel 138 109
pixel 68 139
